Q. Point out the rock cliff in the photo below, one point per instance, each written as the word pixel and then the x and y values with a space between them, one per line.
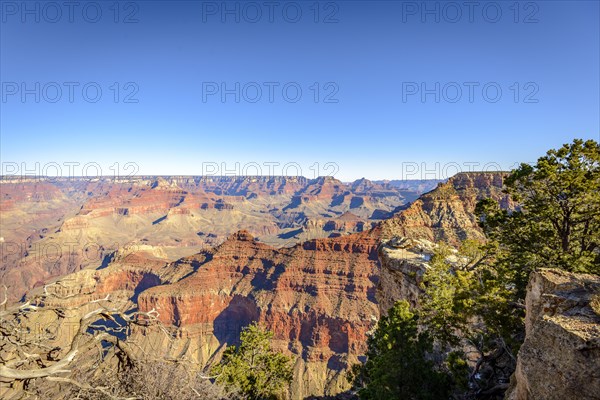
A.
pixel 447 212
pixel 403 263
pixel 443 214
pixel 318 298
pixel 560 358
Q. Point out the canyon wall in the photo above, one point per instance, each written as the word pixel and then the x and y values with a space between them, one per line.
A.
pixel 403 264
pixel 560 358
pixel 318 298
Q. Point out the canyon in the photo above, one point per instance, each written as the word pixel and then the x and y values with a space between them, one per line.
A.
pixel 320 290
pixel 317 295
pixel 53 226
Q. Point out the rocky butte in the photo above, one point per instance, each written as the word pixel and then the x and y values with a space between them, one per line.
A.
pixel 447 213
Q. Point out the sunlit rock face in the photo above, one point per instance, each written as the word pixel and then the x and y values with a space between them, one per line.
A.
pixel 447 213
pixel 560 358
pixel 404 261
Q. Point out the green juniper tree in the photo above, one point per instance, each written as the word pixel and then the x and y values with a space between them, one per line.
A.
pixel 253 367
pixel 557 223
pixel 478 298
pixel 398 364
pixel 465 306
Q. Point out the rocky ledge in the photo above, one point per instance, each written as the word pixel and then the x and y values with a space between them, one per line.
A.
pixel 560 358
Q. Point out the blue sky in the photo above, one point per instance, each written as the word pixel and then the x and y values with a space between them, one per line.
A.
pixel 368 62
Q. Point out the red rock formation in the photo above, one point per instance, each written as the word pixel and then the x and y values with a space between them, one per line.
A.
pixel 318 298
pixel 347 222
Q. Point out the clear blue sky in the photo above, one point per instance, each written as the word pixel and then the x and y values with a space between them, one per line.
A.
pixel 375 57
